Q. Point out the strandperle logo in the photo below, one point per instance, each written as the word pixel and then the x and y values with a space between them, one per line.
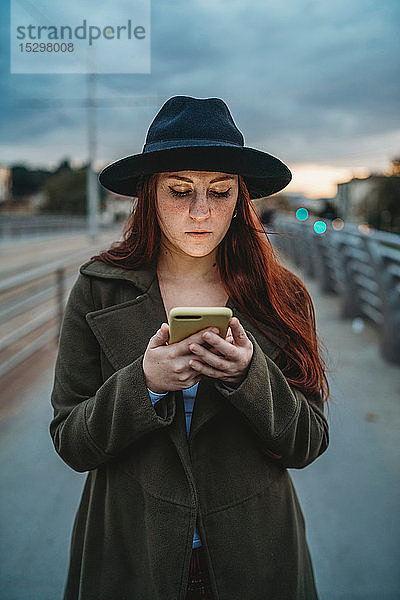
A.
pixel 80 32
pixel 54 36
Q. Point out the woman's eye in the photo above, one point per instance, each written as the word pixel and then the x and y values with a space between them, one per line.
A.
pixel 176 193
pixel 221 194
pixel 217 194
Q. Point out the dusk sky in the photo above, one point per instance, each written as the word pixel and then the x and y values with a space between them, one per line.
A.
pixel 314 83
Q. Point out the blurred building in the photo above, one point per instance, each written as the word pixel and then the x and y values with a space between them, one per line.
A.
pixel 5 184
pixel 355 196
pixel 374 200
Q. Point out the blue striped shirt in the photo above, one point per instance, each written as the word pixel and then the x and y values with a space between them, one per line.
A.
pixel 189 395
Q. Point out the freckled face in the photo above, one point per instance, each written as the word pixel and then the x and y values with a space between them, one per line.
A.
pixel 189 201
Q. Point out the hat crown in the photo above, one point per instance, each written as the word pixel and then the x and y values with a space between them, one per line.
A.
pixel 187 121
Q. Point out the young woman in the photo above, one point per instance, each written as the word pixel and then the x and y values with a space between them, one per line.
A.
pixel 187 445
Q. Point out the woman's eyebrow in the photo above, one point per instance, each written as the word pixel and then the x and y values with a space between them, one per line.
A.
pixel 190 181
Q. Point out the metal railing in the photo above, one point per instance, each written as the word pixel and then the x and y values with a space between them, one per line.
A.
pixel 32 307
pixel 14 226
pixel 363 269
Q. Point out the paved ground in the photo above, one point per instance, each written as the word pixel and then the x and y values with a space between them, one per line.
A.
pixel 350 495
pixel 23 254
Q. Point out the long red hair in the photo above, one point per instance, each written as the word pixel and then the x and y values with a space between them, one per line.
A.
pixel 264 290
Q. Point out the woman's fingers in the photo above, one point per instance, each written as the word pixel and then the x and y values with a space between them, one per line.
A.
pixel 210 358
pixel 235 357
pixel 238 332
pixel 197 338
pixel 206 369
pixel 160 337
pixel 221 351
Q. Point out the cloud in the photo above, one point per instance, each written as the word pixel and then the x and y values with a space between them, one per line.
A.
pixel 308 81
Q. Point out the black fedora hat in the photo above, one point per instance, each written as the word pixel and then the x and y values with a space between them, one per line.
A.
pixel 197 134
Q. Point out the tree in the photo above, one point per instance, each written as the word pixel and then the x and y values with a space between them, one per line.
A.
pixel 388 204
pixel 63 166
pixel 66 192
pixel 26 181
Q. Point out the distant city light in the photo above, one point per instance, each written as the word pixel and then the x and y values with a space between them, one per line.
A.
pixel 337 224
pixel 302 214
pixel 319 227
pixel 365 228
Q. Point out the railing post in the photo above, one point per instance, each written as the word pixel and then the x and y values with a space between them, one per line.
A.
pixel 350 305
pixel 321 249
pixel 308 252
pixel 60 285
pixel 389 291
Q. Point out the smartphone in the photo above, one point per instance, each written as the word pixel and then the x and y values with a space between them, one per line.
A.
pixel 183 321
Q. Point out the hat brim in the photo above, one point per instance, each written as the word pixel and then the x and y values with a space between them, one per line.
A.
pixel 263 173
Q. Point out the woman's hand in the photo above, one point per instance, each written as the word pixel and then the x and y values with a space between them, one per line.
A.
pixel 166 367
pixel 233 365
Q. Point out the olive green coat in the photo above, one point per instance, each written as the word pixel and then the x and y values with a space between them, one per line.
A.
pixel 147 483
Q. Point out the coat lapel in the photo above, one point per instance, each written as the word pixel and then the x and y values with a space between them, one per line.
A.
pixel 209 404
pixel 123 331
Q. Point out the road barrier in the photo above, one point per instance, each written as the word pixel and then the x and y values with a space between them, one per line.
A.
pixel 32 307
pixel 363 269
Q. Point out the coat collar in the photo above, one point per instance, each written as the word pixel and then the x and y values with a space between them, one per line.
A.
pixel 123 330
pixel 141 278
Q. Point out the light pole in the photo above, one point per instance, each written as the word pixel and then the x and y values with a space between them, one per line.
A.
pixel 92 189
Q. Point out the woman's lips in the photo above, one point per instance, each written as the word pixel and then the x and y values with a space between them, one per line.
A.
pixel 198 233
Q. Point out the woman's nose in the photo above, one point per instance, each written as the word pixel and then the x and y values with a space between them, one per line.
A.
pixel 199 207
